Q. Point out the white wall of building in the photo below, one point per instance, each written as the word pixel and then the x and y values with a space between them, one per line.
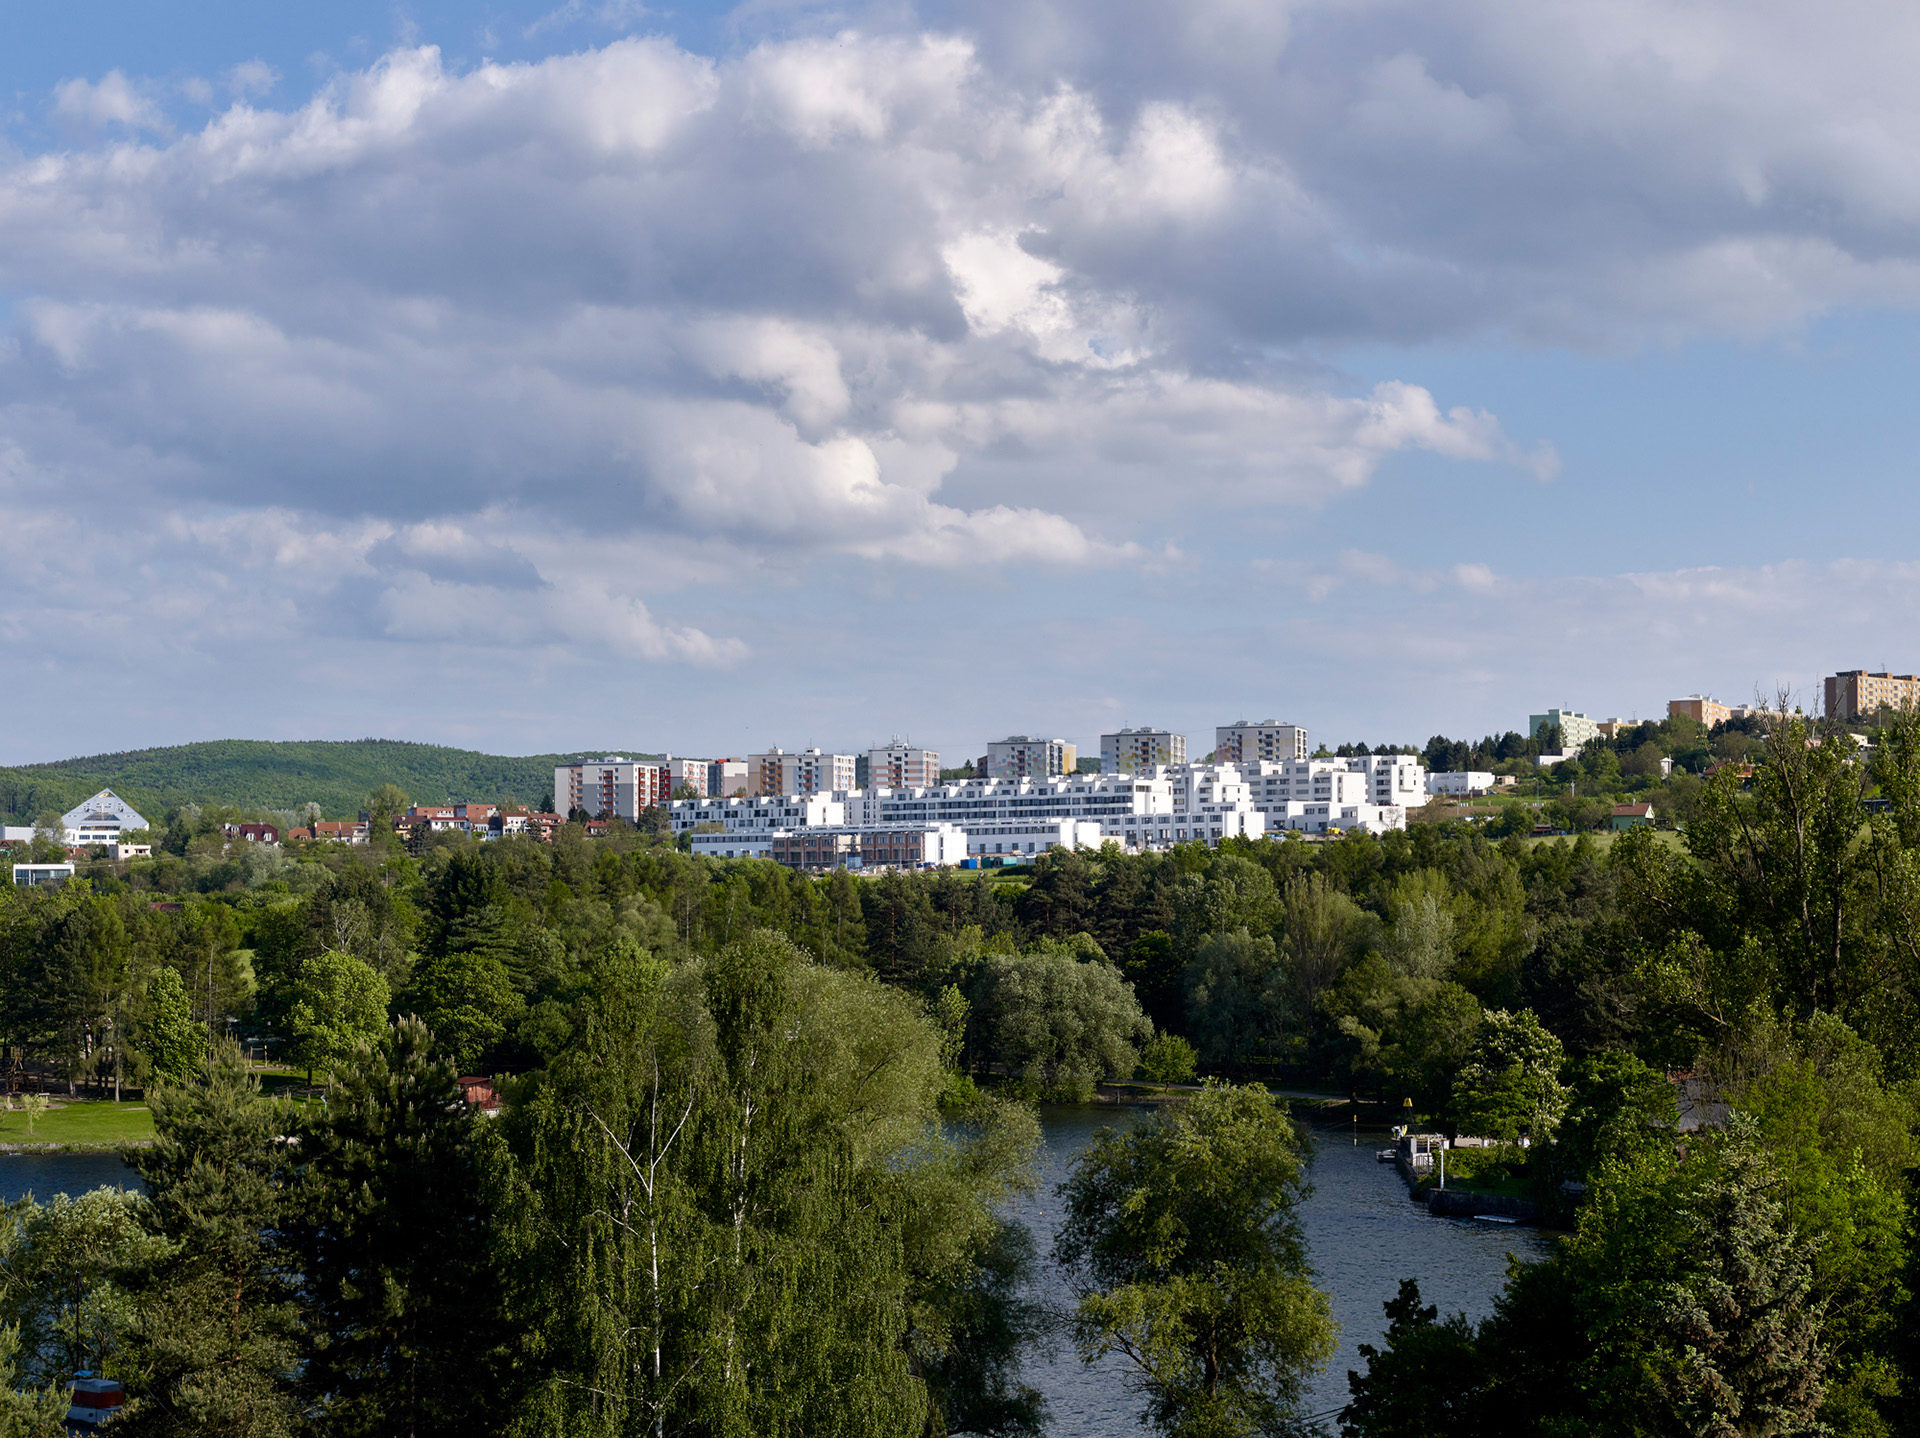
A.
pixel 1466 781
pixel 1006 837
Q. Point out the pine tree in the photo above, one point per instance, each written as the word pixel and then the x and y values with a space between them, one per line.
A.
pixel 402 1308
pixel 212 1348
pixel 1741 1324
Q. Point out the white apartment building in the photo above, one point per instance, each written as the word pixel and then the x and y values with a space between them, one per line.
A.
pixel 1371 791
pixel 900 766
pixel 1161 806
pixel 726 777
pixel 1245 743
pixel 1312 818
pixel 756 814
pixel 1394 778
pixel 611 788
pixel 689 774
pixel 100 820
pixel 1466 781
pixel 808 772
pixel 1132 750
pixel 1103 799
pixel 1018 756
pixel 41 876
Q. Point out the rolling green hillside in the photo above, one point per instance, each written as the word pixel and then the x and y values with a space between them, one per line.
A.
pixel 255 774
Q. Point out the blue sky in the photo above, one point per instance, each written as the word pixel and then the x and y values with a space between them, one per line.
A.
pixel 709 378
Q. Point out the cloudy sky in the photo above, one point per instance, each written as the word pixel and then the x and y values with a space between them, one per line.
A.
pixel 707 378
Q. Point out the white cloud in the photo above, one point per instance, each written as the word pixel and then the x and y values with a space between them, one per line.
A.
pixel 565 355
pixel 111 100
pixel 251 79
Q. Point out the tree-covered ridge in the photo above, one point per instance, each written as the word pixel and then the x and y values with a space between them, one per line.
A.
pixel 272 774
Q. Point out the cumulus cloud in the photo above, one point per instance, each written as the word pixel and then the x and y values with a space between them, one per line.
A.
pixel 793 301
pixel 111 100
pixel 535 350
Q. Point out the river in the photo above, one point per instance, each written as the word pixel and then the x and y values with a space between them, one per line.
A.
pixel 1363 1235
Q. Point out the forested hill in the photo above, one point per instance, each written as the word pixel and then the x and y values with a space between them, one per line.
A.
pixel 256 774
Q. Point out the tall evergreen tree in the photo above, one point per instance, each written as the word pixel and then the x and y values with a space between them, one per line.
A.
pixel 402 1309
pixel 212 1347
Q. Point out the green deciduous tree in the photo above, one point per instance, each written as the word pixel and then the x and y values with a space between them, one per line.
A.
pixel 729 1206
pixel 1183 1242
pixel 66 1271
pixel 1424 1381
pixel 1510 1084
pixel 1057 1021
pixel 38 1413
pixel 339 1004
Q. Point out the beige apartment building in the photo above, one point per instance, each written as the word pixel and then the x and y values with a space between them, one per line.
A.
pixel 1702 711
pixel 1861 693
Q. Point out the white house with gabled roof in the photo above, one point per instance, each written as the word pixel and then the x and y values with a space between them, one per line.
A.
pixel 103 819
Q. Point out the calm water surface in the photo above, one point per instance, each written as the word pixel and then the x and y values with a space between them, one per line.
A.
pixel 45 1174
pixel 1363 1234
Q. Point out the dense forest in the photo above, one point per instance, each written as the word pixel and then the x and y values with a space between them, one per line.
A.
pixel 757 1125
pixel 257 774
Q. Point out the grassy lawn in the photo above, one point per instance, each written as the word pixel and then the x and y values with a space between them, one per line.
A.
pixel 84 1125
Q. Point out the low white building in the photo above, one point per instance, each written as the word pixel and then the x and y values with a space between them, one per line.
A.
pixel 1006 837
pixel 1465 781
pixel 747 814
pixel 103 819
pixel 41 876
pixel 1313 817
pixel 1205 803
pixel 742 845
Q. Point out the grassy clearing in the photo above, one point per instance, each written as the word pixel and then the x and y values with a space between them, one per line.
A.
pixel 81 1125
